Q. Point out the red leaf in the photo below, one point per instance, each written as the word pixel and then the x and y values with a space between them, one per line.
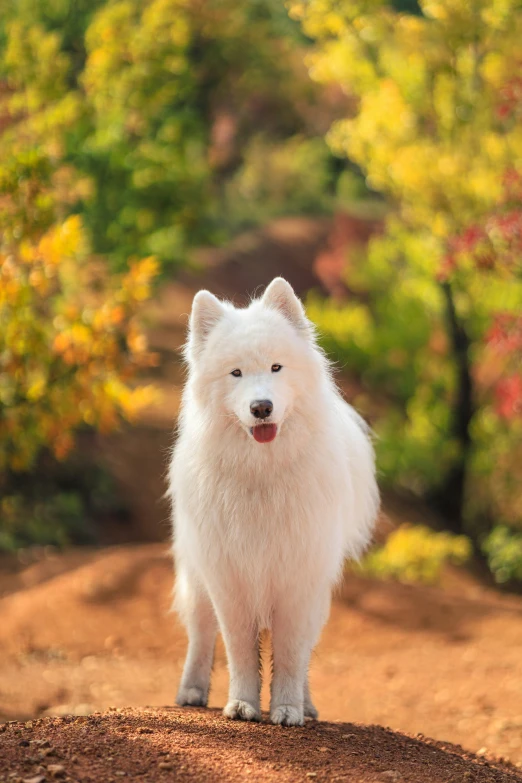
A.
pixel 508 394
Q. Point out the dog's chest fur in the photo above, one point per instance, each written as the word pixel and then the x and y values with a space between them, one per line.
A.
pixel 260 528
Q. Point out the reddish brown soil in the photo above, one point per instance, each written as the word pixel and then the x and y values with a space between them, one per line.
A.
pixel 200 745
pixel 86 630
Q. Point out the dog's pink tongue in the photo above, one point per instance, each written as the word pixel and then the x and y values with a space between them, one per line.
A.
pixel 264 433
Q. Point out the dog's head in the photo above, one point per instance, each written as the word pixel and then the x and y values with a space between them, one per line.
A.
pixel 254 367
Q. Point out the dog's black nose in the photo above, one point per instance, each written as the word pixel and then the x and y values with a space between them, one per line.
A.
pixel 261 409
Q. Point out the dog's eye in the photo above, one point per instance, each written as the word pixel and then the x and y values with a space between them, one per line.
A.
pixel 276 367
pixel 236 373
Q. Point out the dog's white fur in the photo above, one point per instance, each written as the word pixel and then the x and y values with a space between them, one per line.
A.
pixel 262 529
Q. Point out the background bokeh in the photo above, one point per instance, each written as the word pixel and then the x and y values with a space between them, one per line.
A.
pixel 371 153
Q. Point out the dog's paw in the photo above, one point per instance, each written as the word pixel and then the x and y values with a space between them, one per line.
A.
pixel 241 710
pixel 191 697
pixel 287 715
pixel 310 711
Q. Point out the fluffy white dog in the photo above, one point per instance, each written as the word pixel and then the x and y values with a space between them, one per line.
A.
pixel 273 486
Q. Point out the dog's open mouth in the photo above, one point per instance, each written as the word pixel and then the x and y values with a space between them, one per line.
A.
pixel 264 433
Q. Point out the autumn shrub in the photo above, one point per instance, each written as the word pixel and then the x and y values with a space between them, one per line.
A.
pixel 503 549
pixel 69 344
pixel 414 553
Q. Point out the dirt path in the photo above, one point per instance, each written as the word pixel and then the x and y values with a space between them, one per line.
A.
pixel 200 745
pixel 89 630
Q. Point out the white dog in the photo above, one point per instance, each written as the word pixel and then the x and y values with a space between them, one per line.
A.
pixel 273 486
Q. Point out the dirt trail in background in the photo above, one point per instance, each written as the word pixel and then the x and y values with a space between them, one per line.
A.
pixel 89 630
pixel 202 746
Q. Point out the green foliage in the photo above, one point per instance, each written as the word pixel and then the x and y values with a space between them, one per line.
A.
pixel 147 151
pixel 55 521
pixel 416 554
pixel 176 91
pixel 503 549
pixel 386 342
pixel 290 177
pixel 62 504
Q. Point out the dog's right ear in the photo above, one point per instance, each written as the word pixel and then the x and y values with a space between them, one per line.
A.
pixel 280 295
pixel 205 314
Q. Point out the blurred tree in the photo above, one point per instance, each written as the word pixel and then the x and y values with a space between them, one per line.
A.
pixel 437 129
pixel 69 338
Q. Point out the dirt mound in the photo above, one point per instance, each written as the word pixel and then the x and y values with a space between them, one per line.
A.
pixel 89 629
pixel 200 745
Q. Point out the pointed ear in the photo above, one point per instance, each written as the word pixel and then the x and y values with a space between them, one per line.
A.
pixel 280 296
pixel 205 314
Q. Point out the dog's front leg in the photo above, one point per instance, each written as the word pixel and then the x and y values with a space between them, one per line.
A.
pixel 296 627
pixel 242 645
pixel 195 609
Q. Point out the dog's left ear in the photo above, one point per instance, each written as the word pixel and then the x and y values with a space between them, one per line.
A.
pixel 281 296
